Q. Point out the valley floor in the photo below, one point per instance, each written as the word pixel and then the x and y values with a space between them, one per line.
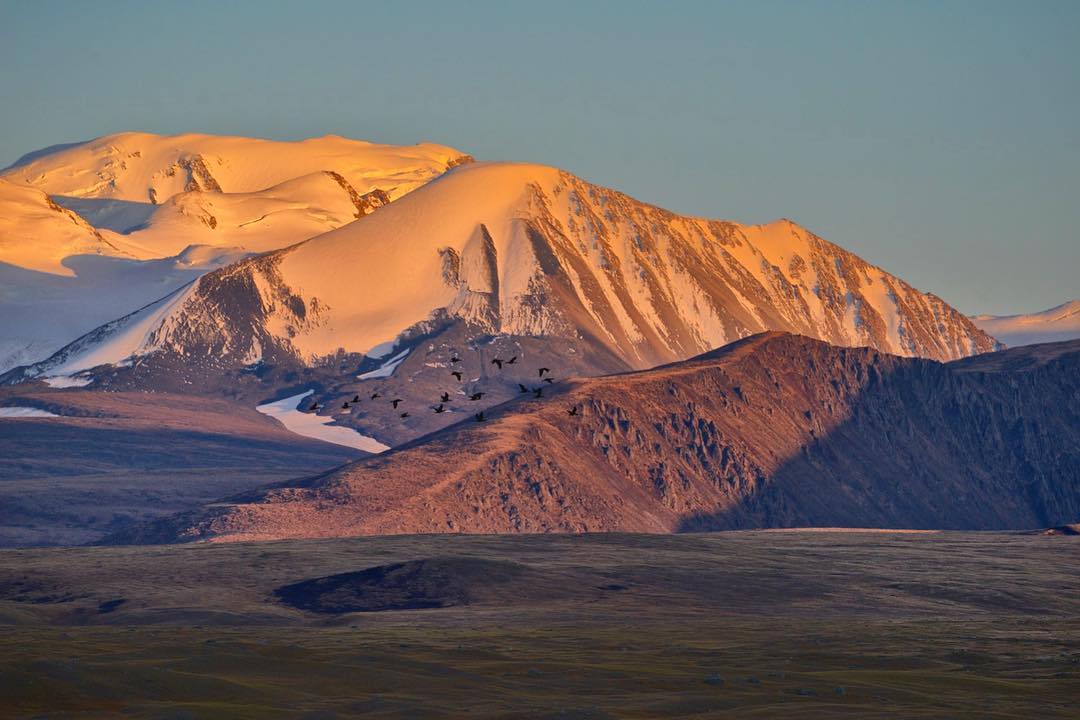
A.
pixel 744 624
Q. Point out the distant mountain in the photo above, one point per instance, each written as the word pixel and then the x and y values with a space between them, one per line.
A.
pixel 527 250
pixel 94 230
pixel 772 431
pixel 147 168
pixel 1056 324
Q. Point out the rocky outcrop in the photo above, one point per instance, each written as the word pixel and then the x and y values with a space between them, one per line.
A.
pixel 364 204
pixel 772 431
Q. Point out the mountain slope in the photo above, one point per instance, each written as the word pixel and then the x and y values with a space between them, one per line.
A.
pixel 1053 325
pixel 37 234
pixel 772 431
pixel 147 168
pixel 155 212
pixel 527 250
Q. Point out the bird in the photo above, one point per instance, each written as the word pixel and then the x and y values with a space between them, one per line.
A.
pixel 512 360
pixel 345 405
pixel 549 380
pixel 541 371
pixel 572 411
pixel 479 416
pixel 457 375
pixel 314 407
pixel 523 388
pixel 356 398
pixel 395 402
pixel 375 395
pixel 404 415
pixel 439 408
pixel 497 361
pixel 446 397
pixel 476 396
pixel 538 392
pixel 455 359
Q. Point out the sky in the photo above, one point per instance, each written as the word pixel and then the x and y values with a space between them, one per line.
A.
pixel 938 140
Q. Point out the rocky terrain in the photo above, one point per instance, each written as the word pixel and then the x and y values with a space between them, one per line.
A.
pixel 773 431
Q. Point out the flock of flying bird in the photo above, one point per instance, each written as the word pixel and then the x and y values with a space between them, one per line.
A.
pixel 538 392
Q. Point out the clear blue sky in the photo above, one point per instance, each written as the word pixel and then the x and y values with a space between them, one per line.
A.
pixel 936 139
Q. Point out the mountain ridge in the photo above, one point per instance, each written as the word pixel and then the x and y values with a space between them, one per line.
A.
pixel 774 430
pixel 521 249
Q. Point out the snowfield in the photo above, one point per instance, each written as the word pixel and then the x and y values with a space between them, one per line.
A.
pixel 93 231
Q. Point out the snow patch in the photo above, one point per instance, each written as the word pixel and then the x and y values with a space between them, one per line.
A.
pixel 67 381
pixel 24 412
pixel 386 369
pixel 318 427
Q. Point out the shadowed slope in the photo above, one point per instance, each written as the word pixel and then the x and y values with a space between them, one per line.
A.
pixel 772 431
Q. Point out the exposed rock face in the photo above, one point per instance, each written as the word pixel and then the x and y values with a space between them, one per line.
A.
pixel 364 204
pixel 772 431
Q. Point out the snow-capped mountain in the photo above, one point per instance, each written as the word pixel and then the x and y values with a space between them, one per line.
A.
pixel 1053 325
pixel 146 168
pixel 37 234
pixel 527 250
pixel 91 231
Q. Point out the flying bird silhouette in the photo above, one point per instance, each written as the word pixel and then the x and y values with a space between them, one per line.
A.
pixel 523 388
pixel 395 402
pixel 541 371
pixel 345 405
pixel 446 397
pixel 512 360
pixel 439 408
pixel 497 361
pixel 356 398
pixel 572 411
pixel 455 359
pixel 375 395
pixel 476 396
pixel 457 375
pixel 404 415
pixel 479 416
pixel 549 380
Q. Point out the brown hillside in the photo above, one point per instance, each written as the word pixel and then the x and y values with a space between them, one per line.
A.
pixel 775 430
